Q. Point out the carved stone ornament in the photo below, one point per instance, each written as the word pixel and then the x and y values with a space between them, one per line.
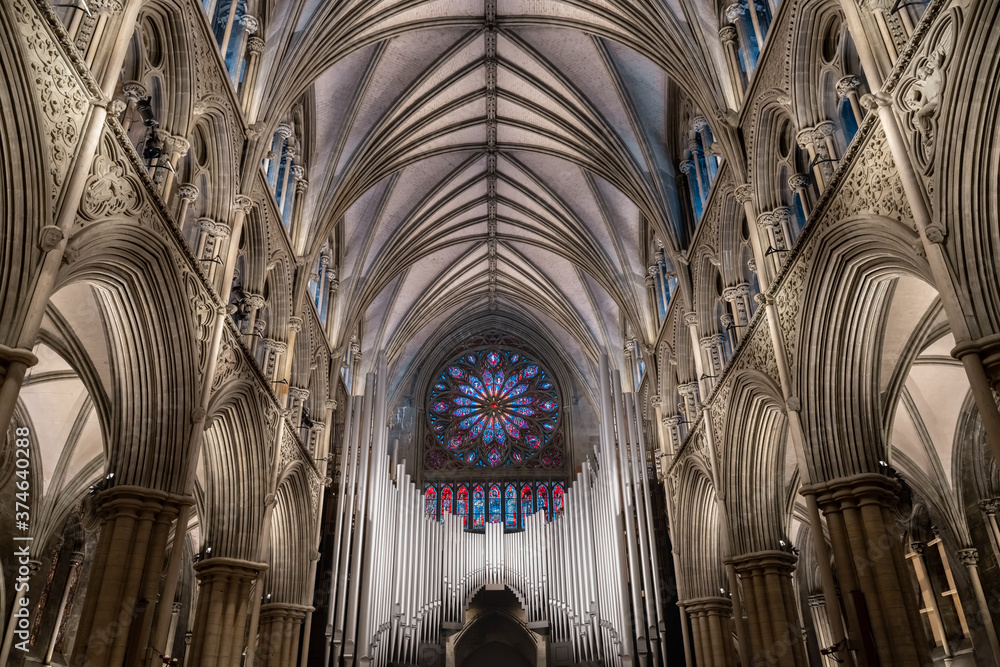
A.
pixel 847 85
pixel 744 193
pixel 50 237
pixel 109 191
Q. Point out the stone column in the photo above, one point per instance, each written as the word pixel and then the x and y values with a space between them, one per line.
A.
pixel 281 135
pixel 188 194
pixel 689 394
pixel 175 149
pixel 711 631
pixel 125 574
pixel 175 615
pixel 776 632
pixel 133 91
pixel 224 586
pixel 255 47
pixel 331 305
pixel 821 622
pixel 813 140
pixel 848 87
pixel 970 559
pixel 871 568
pixel 280 628
pixel 728 35
pixel 734 14
pixel 798 183
pixel 297 398
pixel 75 560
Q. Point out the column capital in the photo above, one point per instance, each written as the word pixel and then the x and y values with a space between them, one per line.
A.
pixel 242 203
pixel 134 90
pixel 687 166
pixel 671 422
pixel 798 182
pixel 284 130
pixel 734 12
pixel 330 404
pixel 250 24
pixel 817 600
pixel 207 569
pixel 691 319
pixel 255 45
pixel 727 34
pixel 847 85
pixel 744 193
pixel 298 393
pixel 295 324
pixel 188 191
pixel 969 557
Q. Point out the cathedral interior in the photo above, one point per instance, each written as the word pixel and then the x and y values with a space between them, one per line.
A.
pixel 499 332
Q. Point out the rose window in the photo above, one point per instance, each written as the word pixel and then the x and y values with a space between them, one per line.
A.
pixel 494 408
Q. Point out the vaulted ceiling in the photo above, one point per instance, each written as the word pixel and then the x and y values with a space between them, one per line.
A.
pixel 503 156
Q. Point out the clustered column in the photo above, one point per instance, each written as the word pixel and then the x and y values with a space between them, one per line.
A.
pixel 280 627
pixel 870 566
pixel 711 630
pixel 224 586
pixel 775 632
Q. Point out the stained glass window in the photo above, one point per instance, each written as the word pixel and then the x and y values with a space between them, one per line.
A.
pixel 445 500
pixel 527 501
pixel 558 496
pixel 510 507
pixel 478 508
pixel 496 508
pixel 430 501
pixel 543 500
pixel 463 505
pixel 494 407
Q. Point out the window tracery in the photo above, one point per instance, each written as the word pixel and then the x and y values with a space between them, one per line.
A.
pixel 494 408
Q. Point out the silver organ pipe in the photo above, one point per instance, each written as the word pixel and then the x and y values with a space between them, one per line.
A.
pixel 401 578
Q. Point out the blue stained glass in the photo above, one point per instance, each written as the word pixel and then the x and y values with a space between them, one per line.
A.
pixel 527 501
pixel 478 507
pixel 510 506
pixel 489 409
pixel 495 506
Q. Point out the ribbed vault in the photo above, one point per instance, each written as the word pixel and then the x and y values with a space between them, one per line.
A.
pixel 488 155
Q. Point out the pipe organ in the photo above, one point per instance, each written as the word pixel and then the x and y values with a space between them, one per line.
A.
pixel 587 580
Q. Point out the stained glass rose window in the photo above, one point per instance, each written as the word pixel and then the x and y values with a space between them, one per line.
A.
pixel 494 407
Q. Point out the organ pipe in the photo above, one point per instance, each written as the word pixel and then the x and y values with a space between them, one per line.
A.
pixel 585 574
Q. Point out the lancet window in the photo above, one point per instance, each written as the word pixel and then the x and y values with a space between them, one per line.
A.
pixel 506 503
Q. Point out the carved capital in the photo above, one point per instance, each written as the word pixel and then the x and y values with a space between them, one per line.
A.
pixel 255 45
pixel 330 404
pixel 255 301
pixel 250 24
pixel 699 123
pixel 134 90
pixel 734 12
pixel 687 166
pixel 117 108
pixel 806 137
pixel 728 34
pixel 847 85
pixel 188 192
pixel 793 404
pixel 798 182
pixel 935 233
pixel 284 131
pixel 295 324
pixel 969 557
pixel 826 129
pixel 298 172
pixel 672 422
pixel 242 203
pixel 691 319
pixel 744 194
